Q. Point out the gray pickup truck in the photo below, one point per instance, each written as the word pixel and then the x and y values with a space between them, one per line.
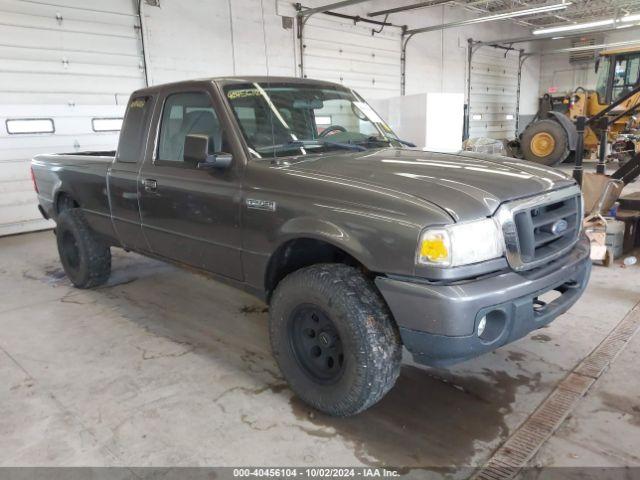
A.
pixel 298 192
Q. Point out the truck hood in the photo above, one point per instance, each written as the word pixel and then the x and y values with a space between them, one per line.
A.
pixel 467 185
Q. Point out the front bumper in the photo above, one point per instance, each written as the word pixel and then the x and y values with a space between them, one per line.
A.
pixel 438 322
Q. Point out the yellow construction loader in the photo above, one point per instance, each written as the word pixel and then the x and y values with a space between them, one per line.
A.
pixel 551 137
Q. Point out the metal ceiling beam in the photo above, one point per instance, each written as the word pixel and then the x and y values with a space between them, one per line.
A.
pixel 537 38
pixel 489 18
pixel 331 6
pixel 406 8
pixel 356 18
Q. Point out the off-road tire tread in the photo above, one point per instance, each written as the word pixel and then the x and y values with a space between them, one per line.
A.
pixel 367 314
pixel 97 269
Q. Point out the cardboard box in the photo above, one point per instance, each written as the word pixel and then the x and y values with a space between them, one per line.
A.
pixel 593 186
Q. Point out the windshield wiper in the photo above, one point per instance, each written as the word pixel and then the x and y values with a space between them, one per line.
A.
pixel 322 142
pixel 374 138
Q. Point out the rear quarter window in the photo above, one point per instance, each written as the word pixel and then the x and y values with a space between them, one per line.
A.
pixel 134 129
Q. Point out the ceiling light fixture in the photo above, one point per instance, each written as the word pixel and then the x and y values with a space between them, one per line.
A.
pixel 577 26
pixel 491 18
pixel 598 23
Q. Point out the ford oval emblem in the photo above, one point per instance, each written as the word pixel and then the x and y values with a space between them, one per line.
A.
pixel 559 226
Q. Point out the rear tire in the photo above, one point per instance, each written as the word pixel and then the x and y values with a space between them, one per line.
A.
pixel 545 142
pixel 334 339
pixel 85 258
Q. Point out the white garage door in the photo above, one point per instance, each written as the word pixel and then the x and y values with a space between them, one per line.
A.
pixel 68 67
pixel 337 51
pixel 494 86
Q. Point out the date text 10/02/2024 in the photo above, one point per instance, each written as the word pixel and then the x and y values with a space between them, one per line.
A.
pixel 320 472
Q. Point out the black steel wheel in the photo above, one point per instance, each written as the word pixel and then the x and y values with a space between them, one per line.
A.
pixel 316 343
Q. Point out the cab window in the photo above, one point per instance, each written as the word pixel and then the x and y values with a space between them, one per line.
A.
pixel 134 130
pixel 625 76
pixel 186 114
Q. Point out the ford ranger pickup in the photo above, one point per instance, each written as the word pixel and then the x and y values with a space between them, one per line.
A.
pixel 298 192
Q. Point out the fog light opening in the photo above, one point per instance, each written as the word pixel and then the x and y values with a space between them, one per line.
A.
pixel 491 326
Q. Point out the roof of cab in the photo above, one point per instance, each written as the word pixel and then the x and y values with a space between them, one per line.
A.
pixel 238 79
pixel 615 51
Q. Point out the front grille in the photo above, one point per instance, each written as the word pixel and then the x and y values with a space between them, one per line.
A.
pixel 536 234
pixel 541 228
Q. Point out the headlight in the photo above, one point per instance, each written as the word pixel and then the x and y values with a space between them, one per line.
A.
pixel 460 244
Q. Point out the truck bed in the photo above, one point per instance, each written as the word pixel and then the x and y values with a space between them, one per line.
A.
pixel 80 175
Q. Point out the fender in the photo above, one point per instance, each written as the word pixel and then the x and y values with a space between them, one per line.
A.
pixel 319 229
pixel 569 127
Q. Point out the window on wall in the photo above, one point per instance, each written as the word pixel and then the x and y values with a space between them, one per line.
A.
pixel 187 114
pixel 106 124
pixel 29 125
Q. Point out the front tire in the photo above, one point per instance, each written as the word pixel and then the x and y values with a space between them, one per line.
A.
pixel 334 339
pixel 85 258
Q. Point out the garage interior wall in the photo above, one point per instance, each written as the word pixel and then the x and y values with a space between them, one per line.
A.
pixel 243 37
pixel 207 38
pixel 493 95
pixel 557 72
pixel 67 65
pixel 73 61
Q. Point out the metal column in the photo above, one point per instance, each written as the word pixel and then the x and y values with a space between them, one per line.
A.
pixel 581 123
pixel 403 60
pixel 522 57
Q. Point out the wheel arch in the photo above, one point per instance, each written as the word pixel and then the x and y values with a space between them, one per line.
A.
pixel 64 200
pixel 303 250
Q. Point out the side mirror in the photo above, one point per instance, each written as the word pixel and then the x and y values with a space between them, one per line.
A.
pixel 597 64
pixel 217 161
pixel 196 152
pixel 196 149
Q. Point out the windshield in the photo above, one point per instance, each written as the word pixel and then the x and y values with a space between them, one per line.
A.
pixel 284 119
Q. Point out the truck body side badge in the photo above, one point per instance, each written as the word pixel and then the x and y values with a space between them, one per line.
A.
pixel 256 204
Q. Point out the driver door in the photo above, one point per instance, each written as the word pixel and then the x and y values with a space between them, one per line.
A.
pixel 190 215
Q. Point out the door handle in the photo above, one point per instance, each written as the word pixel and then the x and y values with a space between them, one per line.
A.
pixel 150 185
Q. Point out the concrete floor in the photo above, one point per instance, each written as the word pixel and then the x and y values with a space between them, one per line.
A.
pixel 163 367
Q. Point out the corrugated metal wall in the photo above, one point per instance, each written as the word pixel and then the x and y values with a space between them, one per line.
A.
pixel 493 94
pixel 187 39
pixel 340 52
pixel 70 61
